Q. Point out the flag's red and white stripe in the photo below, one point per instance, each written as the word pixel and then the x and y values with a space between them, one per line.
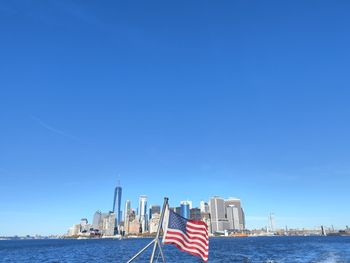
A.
pixel 195 241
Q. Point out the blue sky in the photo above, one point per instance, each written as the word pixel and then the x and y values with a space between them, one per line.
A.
pixel 181 99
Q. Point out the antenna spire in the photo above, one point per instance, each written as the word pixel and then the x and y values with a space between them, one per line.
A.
pixel 118 180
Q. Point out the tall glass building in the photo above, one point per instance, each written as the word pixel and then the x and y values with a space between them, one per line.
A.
pixel 219 222
pixel 143 212
pixel 117 203
pixel 127 211
pixel 185 210
pixel 97 221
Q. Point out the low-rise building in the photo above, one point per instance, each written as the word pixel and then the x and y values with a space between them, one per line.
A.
pixel 108 224
pixel 154 223
pixel 134 227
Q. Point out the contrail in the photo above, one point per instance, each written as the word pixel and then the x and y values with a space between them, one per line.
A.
pixel 50 128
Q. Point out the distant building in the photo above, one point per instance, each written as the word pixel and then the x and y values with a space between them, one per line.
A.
pixel 204 207
pixel 177 210
pixel 142 216
pixel 108 224
pixel 117 204
pixel 97 220
pixel 205 217
pixel 271 222
pixel 83 223
pixel 185 210
pixel 237 203
pixel 131 218
pixel 154 222
pixel 188 202
pixel 232 213
pixel 132 215
pixel 142 206
pixel 134 227
pixel 127 211
pixel 195 214
pixel 74 230
pixel 219 223
pixel 154 209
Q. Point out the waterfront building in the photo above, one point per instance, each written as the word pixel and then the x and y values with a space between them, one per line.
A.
pixel 154 222
pixel 134 227
pixel 195 214
pixel 87 228
pixel 84 226
pixel 154 209
pixel 74 230
pixel 232 213
pixel 97 220
pixel 204 207
pixel 142 206
pixel 237 203
pixel 142 216
pixel 219 223
pixel 185 209
pixel 108 224
pixel 117 204
pixel 127 211
pixel 128 226
pixel 271 220
pixel 205 217
pixel 144 224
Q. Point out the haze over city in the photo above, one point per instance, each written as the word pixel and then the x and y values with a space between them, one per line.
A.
pixel 233 99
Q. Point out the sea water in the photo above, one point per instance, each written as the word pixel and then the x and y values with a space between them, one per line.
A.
pixel 246 250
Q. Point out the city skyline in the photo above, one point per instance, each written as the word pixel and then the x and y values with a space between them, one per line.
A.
pixel 222 216
pixel 186 100
pixel 268 222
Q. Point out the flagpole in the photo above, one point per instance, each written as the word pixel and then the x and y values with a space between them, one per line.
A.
pixel 140 252
pixel 156 240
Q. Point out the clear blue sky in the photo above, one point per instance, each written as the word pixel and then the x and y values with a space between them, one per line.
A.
pixel 185 99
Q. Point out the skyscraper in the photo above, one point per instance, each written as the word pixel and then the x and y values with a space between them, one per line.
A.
pixel 271 222
pixel 237 203
pixel 108 224
pixel 97 221
pixel 219 223
pixel 117 203
pixel 188 202
pixel 143 212
pixel 154 209
pixel 195 214
pixel 232 213
pixel 185 209
pixel 204 207
pixel 127 211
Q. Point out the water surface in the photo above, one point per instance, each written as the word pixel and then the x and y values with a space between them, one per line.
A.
pixel 246 250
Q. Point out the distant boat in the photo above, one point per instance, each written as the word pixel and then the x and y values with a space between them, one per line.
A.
pixel 239 235
pixel 113 237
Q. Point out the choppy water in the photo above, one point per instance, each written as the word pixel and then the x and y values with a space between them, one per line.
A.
pixel 246 250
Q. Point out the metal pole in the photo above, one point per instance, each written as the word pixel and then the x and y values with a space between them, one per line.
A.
pixel 149 244
pixel 156 243
pixel 161 251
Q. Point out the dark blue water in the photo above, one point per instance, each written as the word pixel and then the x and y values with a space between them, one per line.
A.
pixel 252 249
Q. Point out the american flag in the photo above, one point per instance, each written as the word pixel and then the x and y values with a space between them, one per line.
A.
pixel 187 235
